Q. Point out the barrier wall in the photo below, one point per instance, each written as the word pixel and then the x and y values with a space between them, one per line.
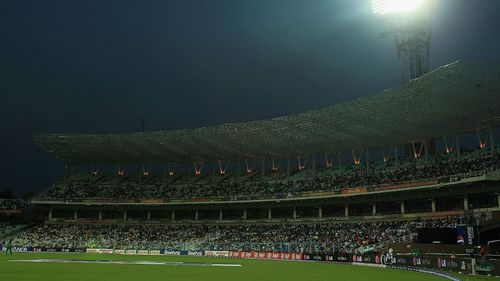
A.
pixel 144 252
pixel 408 262
pixel 266 255
pixel 218 254
pixel 423 263
pixel 45 249
pixel 463 265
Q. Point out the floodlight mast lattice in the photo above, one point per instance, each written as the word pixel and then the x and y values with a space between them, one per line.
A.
pixel 408 22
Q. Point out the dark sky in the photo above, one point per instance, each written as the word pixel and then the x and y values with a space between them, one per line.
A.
pixel 101 66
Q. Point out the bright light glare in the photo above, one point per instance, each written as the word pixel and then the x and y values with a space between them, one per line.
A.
pixel 383 7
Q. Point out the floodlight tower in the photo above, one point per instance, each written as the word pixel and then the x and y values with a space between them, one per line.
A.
pixel 408 22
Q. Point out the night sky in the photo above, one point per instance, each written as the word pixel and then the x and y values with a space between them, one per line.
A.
pixel 99 66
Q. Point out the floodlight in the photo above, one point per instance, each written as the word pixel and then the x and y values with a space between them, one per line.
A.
pixel 408 22
pixel 384 7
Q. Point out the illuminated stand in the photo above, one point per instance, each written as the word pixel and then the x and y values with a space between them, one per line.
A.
pixel 408 22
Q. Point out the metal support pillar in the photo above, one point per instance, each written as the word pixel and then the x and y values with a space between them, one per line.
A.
pixel 245 214
pixel 426 151
pixel 220 215
pixel 433 205
pixel 313 165
pixel 320 212
pixel 149 215
pixel 346 211
pixel 173 215
pixel 139 170
pixel 269 214
pixel 196 215
pixel 402 207
pixel 492 142
pixel 263 167
pixel 67 170
pixel 367 161
pixel 396 156
pixel 339 155
pixel 100 215
pixel 125 215
pixel 294 213
pixel 75 214
pixel 466 202
pixel 374 209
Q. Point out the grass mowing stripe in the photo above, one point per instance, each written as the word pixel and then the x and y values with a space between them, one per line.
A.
pixel 128 262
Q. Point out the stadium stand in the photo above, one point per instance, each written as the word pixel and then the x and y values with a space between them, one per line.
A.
pixel 349 206
pixel 13 204
pixel 8 228
pixel 299 238
pixel 90 186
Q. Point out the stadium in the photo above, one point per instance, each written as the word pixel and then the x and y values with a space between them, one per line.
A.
pixel 403 184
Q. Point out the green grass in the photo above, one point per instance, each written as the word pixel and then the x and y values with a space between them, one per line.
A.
pixel 254 270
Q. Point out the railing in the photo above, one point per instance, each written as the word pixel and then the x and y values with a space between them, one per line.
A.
pixel 380 245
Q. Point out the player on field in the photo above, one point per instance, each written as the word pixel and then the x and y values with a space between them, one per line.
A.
pixel 8 246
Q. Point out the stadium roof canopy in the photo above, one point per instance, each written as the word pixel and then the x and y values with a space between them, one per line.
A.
pixel 455 98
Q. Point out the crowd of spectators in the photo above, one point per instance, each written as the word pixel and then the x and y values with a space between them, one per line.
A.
pixel 13 204
pixel 322 181
pixel 8 227
pixel 8 202
pixel 328 237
